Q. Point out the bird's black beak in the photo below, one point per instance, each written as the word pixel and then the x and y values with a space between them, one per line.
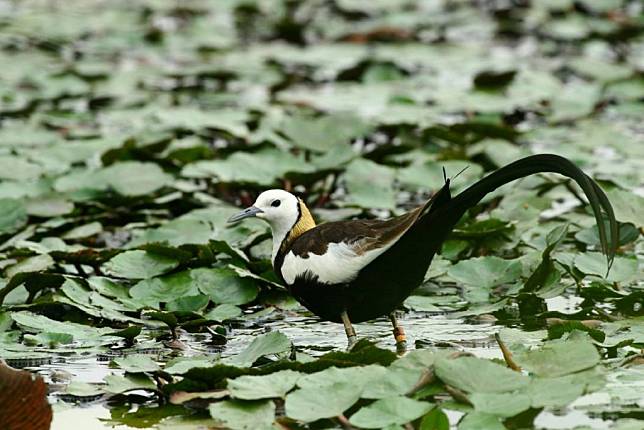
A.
pixel 246 213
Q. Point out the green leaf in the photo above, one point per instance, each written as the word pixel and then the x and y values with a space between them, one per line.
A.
pixel 49 339
pixel 37 263
pixel 323 133
pixel 49 206
pixel 13 215
pixel 117 384
pixel 559 357
pixel 83 334
pixel 594 263
pixel 18 168
pixel 485 272
pixel 137 363
pixel 476 375
pixel 82 389
pixel 628 206
pixel 263 387
pixel 554 392
pixel 180 365
pixel 389 411
pixel 175 233
pixel 139 264
pixel 480 420
pixel 266 344
pixel 194 303
pixel 500 404
pixel 314 403
pixel 128 333
pixel 435 419
pixel 223 312
pixel 370 185
pixel 244 415
pixel 132 178
pixel 262 168
pixel 225 286
pixel 164 288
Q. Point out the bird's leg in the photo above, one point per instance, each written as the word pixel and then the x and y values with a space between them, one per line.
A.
pixel 348 329
pixel 399 334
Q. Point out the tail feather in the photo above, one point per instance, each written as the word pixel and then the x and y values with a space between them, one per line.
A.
pixel 541 163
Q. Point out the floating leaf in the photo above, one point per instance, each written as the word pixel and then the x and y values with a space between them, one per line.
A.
pixel 13 215
pixel 314 403
pixel 117 384
pixel 500 404
pixel 244 415
pixel 559 357
pixel 224 286
pixel 370 184
pixel 270 343
pixel 137 363
pixel 475 375
pixel 263 387
pixel 139 265
pixel 389 411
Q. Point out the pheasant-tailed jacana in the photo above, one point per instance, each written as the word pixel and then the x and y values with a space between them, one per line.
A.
pixel 358 270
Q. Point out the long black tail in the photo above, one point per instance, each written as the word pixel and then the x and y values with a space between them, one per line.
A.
pixel 457 206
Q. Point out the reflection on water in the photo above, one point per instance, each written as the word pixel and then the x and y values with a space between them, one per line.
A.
pixel 314 337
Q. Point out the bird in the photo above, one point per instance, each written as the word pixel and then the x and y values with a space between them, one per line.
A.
pixel 357 270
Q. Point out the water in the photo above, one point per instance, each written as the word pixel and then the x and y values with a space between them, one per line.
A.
pixel 314 337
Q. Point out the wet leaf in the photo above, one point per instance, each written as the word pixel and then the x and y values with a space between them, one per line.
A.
pixel 435 419
pixel 475 375
pixel 263 387
pixel 13 215
pixel 370 184
pixel 314 403
pixel 594 263
pixel 389 411
pixel 270 343
pixel 323 133
pixel 139 265
pixel 559 357
pixel 223 312
pixel 500 404
pixel 244 415
pixel 224 286
pixel 137 363
pixel 120 384
pixel 480 420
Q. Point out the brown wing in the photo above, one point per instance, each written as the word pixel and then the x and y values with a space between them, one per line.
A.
pixel 365 234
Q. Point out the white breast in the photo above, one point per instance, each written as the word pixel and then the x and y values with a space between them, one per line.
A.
pixel 339 264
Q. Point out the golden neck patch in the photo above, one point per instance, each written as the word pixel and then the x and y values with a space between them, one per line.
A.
pixel 304 223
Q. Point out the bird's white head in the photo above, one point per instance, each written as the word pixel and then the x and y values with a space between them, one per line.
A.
pixel 287 215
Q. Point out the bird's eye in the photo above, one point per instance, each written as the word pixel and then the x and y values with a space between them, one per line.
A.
pixel 276 203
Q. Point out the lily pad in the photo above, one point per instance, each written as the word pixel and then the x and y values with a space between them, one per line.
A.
pixel 475 375
pixel 139 264
pixel 244 415
pixel 263 387
pixel 389 411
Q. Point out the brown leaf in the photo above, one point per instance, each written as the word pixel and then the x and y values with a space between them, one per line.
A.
pixel 23 400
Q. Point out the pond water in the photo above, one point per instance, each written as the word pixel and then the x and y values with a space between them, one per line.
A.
pixel 310 336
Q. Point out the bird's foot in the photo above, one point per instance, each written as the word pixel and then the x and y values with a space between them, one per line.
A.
pixel 401 340
pixel 399 334
pixel 351 342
